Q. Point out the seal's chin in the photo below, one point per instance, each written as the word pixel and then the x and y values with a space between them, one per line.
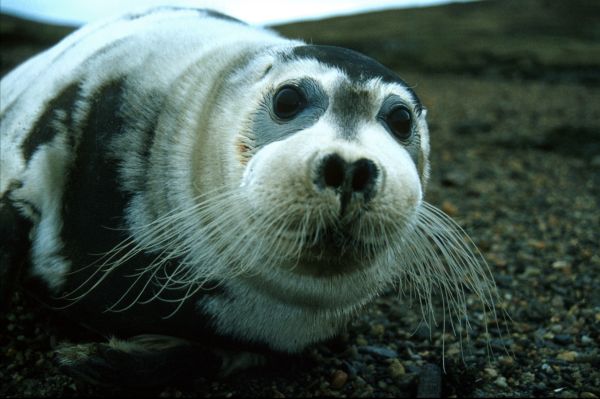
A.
pixel 335 250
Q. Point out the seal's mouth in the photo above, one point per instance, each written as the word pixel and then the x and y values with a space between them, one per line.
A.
pixel 337 239
pixel 339 243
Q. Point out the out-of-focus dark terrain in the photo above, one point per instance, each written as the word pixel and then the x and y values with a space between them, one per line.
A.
pixel 512 91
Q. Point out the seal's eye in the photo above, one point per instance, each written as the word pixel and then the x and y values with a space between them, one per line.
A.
pixel 399 121
pixel 288 101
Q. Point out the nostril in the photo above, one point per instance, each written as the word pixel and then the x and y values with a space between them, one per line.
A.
pixel 364 174
pixel 333 171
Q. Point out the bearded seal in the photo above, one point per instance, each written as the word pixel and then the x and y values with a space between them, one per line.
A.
pixel 186 183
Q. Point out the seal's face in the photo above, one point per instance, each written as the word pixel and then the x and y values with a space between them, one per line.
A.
pixel 334 158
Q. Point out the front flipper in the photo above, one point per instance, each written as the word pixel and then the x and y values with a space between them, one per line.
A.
pixel 149 361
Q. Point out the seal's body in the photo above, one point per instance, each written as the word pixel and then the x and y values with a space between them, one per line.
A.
pixel 179 173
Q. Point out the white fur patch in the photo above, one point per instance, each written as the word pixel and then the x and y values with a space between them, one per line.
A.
pixel 43 187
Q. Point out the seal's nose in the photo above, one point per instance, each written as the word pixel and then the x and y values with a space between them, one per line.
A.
pixel 347 178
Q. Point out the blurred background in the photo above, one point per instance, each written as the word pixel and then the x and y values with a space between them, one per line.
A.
pixel 265 12
pixel 512 89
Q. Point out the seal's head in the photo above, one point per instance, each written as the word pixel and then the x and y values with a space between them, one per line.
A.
pixel 316 193
pixel 335 153
pixel 326 169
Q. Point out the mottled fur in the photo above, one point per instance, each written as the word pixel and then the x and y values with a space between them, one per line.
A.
pixel 165 197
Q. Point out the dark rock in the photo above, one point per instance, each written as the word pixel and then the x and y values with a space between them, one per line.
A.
pixel 380 351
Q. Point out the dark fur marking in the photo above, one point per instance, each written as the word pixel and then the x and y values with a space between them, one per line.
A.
pixel 44 130
pixel 350 105
pixel 147 111
pixel 218 15
pixel 357 66
pixel 93 206
pixel 14 246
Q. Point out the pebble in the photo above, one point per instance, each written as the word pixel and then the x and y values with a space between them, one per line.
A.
pixel 537 244
pixel 338 379
pixel 490 372
pixel 563 339
pixel 528 378
pixel 507 361
pixel 588 395
pixel 455 178
pixel 449 208
pixel 380 351
pixel 546 368
pixel 586 340
pixel 568 356
pixel 501 382
pixel 396 369
pixel 561 264
pixel 378 330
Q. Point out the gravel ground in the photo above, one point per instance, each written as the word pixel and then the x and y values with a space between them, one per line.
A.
pixel 517 164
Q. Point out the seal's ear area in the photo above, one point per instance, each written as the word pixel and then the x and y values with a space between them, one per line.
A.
pixel 14 246
pixel 147 361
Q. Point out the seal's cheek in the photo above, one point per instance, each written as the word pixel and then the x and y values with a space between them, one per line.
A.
pixel 282 172
pixel 401 187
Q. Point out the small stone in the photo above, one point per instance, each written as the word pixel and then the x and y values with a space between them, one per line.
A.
pixel 455 178
pixel 453 351
pixel 378 329
pixel 586 340
pixel 449 208
pixel 563 339
pixel 528 377
pixel 537 244
pixel 501 382
pixel 507 361
pixel 588 395
pixel 547 368
pixel 380 351
pixel 568 356
pixel 396 369
pixel 561 264
pixel 338 379
pixel 490 372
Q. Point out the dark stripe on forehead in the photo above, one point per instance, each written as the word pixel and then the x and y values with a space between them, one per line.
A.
pixel 47 126
pixel 350 105
pixel 357 66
